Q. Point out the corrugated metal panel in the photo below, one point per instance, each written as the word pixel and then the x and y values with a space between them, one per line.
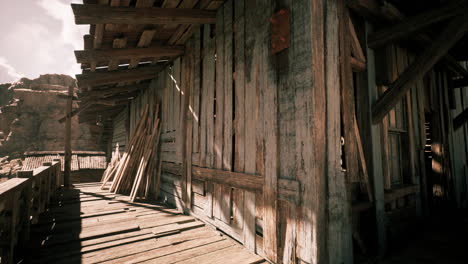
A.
pixel 79 162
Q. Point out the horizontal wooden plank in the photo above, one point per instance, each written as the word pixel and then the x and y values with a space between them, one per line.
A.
pixel 401 192
pixel 88 56
pixel 111 77
pixel 234 179
pixel 172 168
pixel 102 14
pixel 12 185
pixel 418 22
pixel 289 190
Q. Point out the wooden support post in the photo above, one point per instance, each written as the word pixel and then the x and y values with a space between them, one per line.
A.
pixel 376 161
pixel 68 153
pixel 449 37
pixel 337 45
pixel 185 127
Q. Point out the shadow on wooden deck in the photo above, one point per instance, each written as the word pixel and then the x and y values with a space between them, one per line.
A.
pixel 89 225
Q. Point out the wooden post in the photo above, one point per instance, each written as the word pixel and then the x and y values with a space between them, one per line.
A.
pixel 68 154
pixel 376 160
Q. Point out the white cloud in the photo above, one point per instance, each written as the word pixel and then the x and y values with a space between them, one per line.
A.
pixel 10 70
pixel 39 37
pixel 71 34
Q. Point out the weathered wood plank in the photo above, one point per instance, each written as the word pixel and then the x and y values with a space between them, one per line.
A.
pixel 250 77
pixel 269 96
pixel 418 22
pixel 449 37
pixel 105 77
pixel 219 124
pixel 196 92
pixel 235 179
pixel 87 56
pixel 310 124
pixel 97 14
pixel 339 237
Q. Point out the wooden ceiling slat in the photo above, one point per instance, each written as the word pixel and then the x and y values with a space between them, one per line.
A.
pixel 144 3
pixel 182 35
pixel 110 77
pixel 118 43
pixel 109 92
pixel 97 14
pixel 145 41
pixel 180 29
pixel 113 27
pixel 88 42
pixel 418 22
pixel 87 56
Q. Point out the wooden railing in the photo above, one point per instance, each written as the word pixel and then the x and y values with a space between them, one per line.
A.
pixel 22 199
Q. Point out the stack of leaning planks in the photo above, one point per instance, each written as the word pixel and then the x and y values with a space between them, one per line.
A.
pixel 109 172
pixel 133 171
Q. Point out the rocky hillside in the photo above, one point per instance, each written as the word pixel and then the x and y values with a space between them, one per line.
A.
pixel 29 114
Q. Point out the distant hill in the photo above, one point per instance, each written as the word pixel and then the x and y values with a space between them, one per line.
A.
pixel 29 114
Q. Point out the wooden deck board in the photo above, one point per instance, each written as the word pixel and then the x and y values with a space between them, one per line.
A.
pixel 88 225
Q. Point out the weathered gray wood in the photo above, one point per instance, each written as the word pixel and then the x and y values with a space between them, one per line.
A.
pixel 347 100
pixel 87 56
pixel 128 75
pixel 67 143
pixel 219 119
pixel 269 96
pixel 449 37
pixel 219 130
pixel 207 104
pixel 376 160
pixel 196 92
pixel 418 22
pixel 339 242
pixel 460 119
pixel 97 14
pixel 250 121
pixel 229 178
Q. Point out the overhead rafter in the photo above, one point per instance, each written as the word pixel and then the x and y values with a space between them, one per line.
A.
pixel 74 112
pixel 449 37
pixel 459 83
pixel 87 56
pixel 371 9
pixel 117 76
pixel 416 23
pixel 109 92
pixel 97 14
pixel 460 119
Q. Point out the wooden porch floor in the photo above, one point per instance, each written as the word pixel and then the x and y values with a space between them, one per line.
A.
pixel 88 225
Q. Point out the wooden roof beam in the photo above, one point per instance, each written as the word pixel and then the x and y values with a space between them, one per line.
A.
pixel 449 37
pixel 111 77
pixel 459 83
pixel 117 90
pixel 88 56
pixel 97 14
pixel 416 23
pixel 73 113
pixel 460 119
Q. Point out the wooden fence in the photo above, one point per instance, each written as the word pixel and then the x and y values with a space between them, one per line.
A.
pixel 22 199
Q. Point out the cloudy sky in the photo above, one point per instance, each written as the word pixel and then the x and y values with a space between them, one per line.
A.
pixel 38 37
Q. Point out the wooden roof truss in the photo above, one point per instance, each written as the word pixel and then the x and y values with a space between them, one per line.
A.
pixel 129 42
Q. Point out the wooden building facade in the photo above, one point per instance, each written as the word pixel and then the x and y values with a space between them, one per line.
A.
pixel 307 130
